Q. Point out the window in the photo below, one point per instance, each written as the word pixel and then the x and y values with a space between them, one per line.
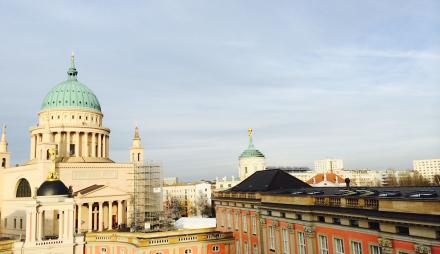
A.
pixel 6 223
pixel 246 248
pixel 255 249
pixel 402 252
pixel 71 149
pixel 339 246
pixel 15 223
pixel 356 247
pixel 3 162
pixel 103 250
pixel 254 225
pixel 271 238
pixel 283 215
pixel 323 244
pixel 23 189
pixel 301 243
pixel 373 225
pixel 245 224
pixel 337 221
pixel 354 223
pixel 402 230
pixel 285 235
pixel 374 249
pixel 188 251
pixel 215 248
pixel 237 247
pixel 299 217
pixel 321 218
pixel 21 223
pixel 229 220
pixel 237 221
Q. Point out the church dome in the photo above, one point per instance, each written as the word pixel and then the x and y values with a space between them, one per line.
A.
pixel 71 94
pixel 52 188
pixel 251 151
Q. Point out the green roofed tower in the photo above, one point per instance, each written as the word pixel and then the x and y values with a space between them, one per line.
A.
pixel 251 160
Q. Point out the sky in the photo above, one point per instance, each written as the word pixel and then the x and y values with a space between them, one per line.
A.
pixel 355 80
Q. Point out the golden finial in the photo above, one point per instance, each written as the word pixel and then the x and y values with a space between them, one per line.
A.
pixel 250 132
pixel 52 172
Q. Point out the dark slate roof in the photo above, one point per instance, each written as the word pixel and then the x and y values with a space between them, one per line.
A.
pixel 268 180
pixel 88 189
pixel 401 192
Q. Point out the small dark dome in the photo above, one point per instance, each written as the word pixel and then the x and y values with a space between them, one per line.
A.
pixel 52 188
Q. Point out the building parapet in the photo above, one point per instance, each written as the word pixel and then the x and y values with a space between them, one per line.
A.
pixel 158 238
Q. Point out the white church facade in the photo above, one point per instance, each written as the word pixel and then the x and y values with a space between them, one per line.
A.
pixel 69 185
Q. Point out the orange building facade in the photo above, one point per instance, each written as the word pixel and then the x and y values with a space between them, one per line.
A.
pixel 197 241
pixel 309 220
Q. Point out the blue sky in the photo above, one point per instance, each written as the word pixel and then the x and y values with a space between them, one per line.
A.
pixel 357 80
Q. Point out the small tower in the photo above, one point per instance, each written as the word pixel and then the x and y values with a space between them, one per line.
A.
pixel 136 150
pixel 5 156
pixel 251 160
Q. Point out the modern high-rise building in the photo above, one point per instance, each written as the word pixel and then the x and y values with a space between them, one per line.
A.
pixel 427 168
pixel 328 165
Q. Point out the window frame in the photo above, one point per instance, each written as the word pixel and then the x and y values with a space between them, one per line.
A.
pixel 271 237
pixel 285 240
pixel 301 242
pixel 335 250
pixel 353 247
pixel 322 250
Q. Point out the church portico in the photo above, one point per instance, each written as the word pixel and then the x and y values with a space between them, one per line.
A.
pixel 98 213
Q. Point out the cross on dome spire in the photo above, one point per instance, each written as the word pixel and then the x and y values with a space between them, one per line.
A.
pixel 251 144
pixel 72 72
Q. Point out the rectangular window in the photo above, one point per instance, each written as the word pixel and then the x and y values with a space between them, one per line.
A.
pixel 301 243
pixel 402 230
pixel 354 223
pixel 323 244
pixel 299 217
pixel 373 225
pixel 71 149
pixel 339 246
pixel 374 249
pixel 271 238
pixel 237 246
pixel 237 221
pixel 255 249
pixel 254 225
pixel 246 248
pixel 356 247
pixel 15 223
pixel 6 223
pixel 229 220
pixel 321 218
pixel 21 223
pixel 285 234
pixel 337 221
pixel 245 224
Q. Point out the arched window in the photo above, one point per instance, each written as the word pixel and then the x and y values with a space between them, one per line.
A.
pixel 3 162
pixel 139 156
pixel 23 189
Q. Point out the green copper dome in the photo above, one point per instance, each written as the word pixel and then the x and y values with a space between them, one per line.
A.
pixel 251 151
pixel 71 94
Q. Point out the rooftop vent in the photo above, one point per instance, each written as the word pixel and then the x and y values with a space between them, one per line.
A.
pixel 422 194
pixel 390 194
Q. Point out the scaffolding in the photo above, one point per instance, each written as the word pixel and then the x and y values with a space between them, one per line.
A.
pixel 147 196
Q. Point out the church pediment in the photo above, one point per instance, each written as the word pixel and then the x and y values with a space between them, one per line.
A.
pixel 99 191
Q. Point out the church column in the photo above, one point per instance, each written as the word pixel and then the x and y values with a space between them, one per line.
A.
pixel 110 215
pixel 77 144
pixel 40 225
pixel 65 224
pixel 93 145
pixel 86 144
pixel 90 217
pixel 33 232
pixel 32 146
pixel 79 215
pixel 99 145
pixel 104 146
pixel 60 224
pixel 67 144
pixel 28 226
pixel 100 213
pixel 119 212
pixel 58 142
